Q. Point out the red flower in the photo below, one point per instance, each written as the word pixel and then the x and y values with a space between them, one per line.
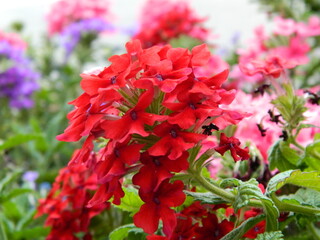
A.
pixel 66 203
pixel 213 230
pixel 157 169
pixel 133 121
pixel 115 158
pixel 157 206
pixel 173 141
pixel 232 144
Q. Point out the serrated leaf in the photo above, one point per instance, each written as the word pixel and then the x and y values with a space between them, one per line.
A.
pixel 290 106
pixel 131 201
pixel 304 196
pixel 122 232
pixel 230 182
pixel 270 236
pixel 250 190
pixel 238 232
pixel 295 177
pixel 206 198
pixel 17 140
pixel 312 156
pixel 281 156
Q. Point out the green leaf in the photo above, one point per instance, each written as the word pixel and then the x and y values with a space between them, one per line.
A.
pixel 131 202
pixel 122 232
pixel 304 196
pixel 312 156
pixel 270 236
pixel 281 156
pixel 250 190
pixel 3 234
pixel 8 179
pixel 295 177
pixel 238 232
pixel 14 193
pixel 185 41
pixel 11 210
pixel 290 106
pixel 206 198
pixel 31 233
pixel 17 140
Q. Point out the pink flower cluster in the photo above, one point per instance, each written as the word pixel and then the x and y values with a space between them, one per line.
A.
pixel 13 39
pixel 269 56
pixel 65 12
pixel 268 131
pixel 164 20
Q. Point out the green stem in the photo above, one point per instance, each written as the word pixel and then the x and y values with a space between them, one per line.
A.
pixel 214 189
pixel 314 231
pixel 289 207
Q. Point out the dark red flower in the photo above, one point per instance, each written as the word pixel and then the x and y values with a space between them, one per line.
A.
pixel 156 169
pixel 158 206
pixel 66 203
pixel 232 144
pixel 173 140
pixel 211 229
pixel 133 121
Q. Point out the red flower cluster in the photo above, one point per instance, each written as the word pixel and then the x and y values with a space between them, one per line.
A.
pixel 66 203
pixel 165 20
pixel 147 109
pixel 198 222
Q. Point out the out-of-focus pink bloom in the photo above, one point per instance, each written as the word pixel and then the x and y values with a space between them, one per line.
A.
pixel 164 20
pixel 214 66
pixel 310 29
pixel 247 130
pixel 240 77
pixel 13 39
pixel 296 51
pixel 306 135
pixel 272 65
pixel 284 27
pixel 65 12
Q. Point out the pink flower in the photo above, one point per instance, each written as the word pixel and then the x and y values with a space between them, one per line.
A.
pixel 248 130
pixel 65 12
pixel 284 27
pixel 13 39
pixel 310 29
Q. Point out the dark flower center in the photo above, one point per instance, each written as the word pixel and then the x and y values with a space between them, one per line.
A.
pixel 173 133
pixel 159 77
pixel 156 162
pixel 156 200
pixel 117 153
pixel 192 106
pixel 133 115
pixel 113 79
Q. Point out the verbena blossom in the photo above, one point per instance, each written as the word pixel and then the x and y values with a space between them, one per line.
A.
pixel 66 203
pixel 18 80
pixel 269 57
pixel 164 20
pixel 66 12
pixel 148 108
pixel 71 34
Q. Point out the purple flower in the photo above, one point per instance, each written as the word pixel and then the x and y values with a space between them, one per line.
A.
pixel 30 176
pixel 72 34
pixel 18 80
